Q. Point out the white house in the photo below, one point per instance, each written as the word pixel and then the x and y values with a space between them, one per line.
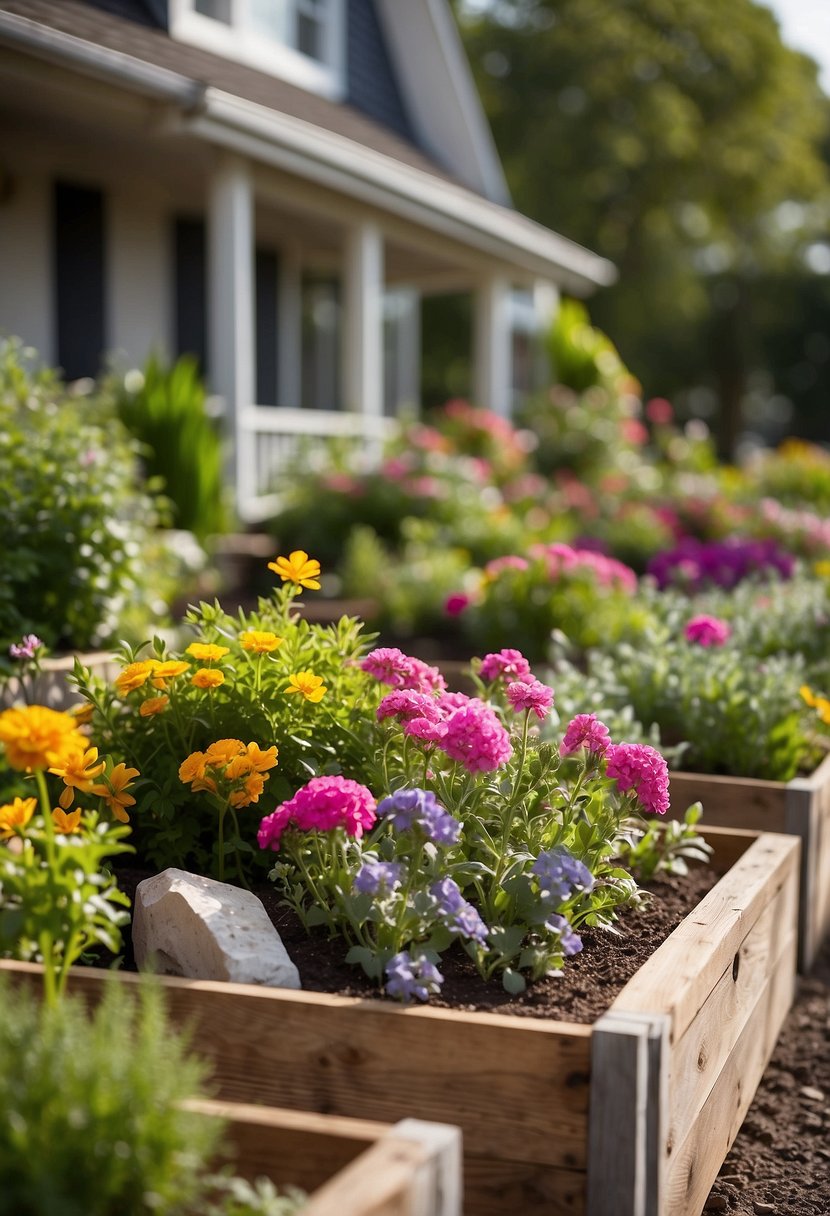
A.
pixel 272 184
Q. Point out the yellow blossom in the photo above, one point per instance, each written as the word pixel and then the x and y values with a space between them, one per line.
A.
pixel 82 713
pixel 259 641
pixel 36 737
pixel 250 792
pixel 261 760
pixel 193 767
pixel 808 695
pixel 78 771
pixel 15 815
pixel 133 676
pixel 223 751
pixel 308 685
pixel 298 568
pixel 113 791
pixel 153 705
pixel 168 670
pixel 822 569
pixel 206 677
pixel 67 821
pixel 207 652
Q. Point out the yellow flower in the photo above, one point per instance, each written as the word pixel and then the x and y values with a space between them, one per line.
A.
pixel 82 713
pixel 223 751
pixel 298 568
pixel 259 641
pixel 153 705
pixel 823 710
pixel 822 569
pixel 192 768
pixel 67 822
pixel 206 677
pixel 807 695
pixel 37 737
pixel 250 792
pixel 207 652
pixel 15 815
pixel 133 676
pixel 168 670
pixel 309 685
pixel 260 760
pixel 113 791
pixel 78 771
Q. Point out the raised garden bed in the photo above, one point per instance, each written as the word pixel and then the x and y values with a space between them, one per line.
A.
pixel 800 807
pixel 354 1166
pixel 630 1116
pixel 51 686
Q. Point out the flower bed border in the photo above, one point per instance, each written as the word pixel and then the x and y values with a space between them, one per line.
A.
pixel 630 1116
pixel 50 686
pixel 353 1166
pixel 800 808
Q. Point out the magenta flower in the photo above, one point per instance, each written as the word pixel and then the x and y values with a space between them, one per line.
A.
pixel 585 730
pixel 26 648
pixel 391 666
pixel 456 603
pixel 638 767
pixel 530 695
pixel 406 704
pixel 323 804
pixel 476 738
pixel 511 664
pixel 707 631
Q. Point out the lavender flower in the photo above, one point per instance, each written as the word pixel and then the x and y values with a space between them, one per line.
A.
pixel 28 646
pixel 570 941
pixel 560 873
pixel 375 877
pixel 459 915
pixel 407 977
pixel 407 809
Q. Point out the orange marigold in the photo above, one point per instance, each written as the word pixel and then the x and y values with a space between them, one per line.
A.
pixel 168 670
pixel 153 705
pixel 206 678
pixel 207 652
pixel 311 687
pixel 259 641
pixel 113 788
pixel 298 568
pixel 36 737
pixel 133 676
pixel 14 815
pixel 78 771
pixel 66 821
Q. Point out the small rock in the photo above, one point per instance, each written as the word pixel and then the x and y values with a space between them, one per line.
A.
pixel 716 1203
pixel 207 930
pixel 809 1091
pixel 764 1209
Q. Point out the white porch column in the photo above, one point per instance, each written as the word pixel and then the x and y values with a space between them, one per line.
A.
pixel 363 321
pixel 289 329
pixel 231 328
pixel 546 306
pixel 492 353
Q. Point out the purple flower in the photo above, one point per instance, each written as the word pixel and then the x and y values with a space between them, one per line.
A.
pixel 532 695
pixel 638 767
pixel 570 941
pixel 707 630
pixel 459 915
pixel 695 564
pixel 407 809
pixel 560 873
pixel 376 876
pixel 29 644
pixel 585 730
pixel 407 977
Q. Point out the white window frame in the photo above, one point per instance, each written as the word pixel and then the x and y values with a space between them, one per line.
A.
pixel 240 42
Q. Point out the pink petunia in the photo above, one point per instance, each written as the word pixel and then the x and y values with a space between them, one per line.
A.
pixel 585 730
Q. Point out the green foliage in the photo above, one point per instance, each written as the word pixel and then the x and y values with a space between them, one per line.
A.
pixel 76 520
pixel 667 846
pixel 92 1124
pixel 164 408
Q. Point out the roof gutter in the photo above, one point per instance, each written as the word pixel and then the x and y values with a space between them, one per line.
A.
pixel 331 160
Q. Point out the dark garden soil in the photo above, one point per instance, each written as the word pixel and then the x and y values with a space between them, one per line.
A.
pixel 780 1162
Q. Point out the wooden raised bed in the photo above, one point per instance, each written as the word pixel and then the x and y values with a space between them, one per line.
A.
pixel 349 1167
pixel 51 686
pixel 800 808
pixel 630 1116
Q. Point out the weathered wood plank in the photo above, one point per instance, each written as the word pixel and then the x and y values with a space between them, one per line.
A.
pixel 733 802
pixel 681 973
pixel 511 1188
pixel 695 1163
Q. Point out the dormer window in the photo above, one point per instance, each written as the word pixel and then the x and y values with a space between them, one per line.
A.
pixel 301 40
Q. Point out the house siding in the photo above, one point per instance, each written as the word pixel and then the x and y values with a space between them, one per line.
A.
pixel 372 86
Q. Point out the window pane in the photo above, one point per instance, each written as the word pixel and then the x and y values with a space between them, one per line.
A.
pixel 321 343
pixel 309 36
pixel 268 17
pixel 219 10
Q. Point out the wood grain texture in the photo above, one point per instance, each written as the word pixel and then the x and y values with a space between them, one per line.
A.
pixel 681 973
pixel 732 802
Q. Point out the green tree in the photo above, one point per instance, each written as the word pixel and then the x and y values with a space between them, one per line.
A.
pixel 666 135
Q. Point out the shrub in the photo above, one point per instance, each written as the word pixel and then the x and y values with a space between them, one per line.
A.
pixel 75 518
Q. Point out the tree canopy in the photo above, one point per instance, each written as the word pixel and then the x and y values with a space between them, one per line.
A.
pixel 684 142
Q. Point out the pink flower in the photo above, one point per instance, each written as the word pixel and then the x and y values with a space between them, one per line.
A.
pixel 585 730
pixel 476 738
pixel 449 701
pixel 638 767
pixel 391 666
pixel 530 695
pixel 406 704
pixel 499 564
pixel 425 729
pixel 707 631
pixel 659 411
pixel 511 664
pixel 323 804
pixel 456 603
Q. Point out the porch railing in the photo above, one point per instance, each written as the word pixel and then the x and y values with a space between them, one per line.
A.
pixel 275 440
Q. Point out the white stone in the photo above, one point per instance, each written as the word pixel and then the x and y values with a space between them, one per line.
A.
pixel 184 924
